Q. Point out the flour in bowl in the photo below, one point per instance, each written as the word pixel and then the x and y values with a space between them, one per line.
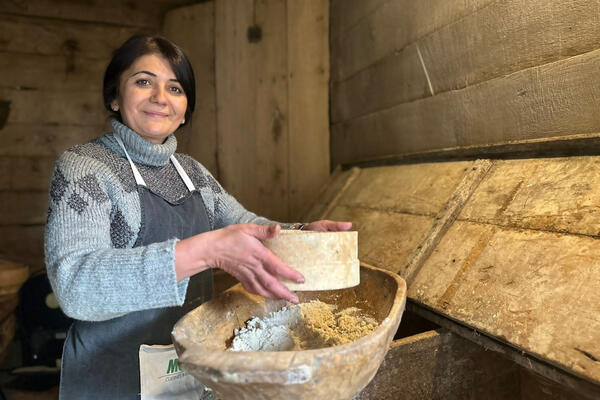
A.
pixel 305 326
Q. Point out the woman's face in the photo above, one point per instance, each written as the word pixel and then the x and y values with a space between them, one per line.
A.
pixel 151 100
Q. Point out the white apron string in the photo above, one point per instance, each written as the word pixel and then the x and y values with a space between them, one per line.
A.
pixel 138 177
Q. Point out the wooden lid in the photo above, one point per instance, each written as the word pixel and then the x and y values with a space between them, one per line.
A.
pixel 327 260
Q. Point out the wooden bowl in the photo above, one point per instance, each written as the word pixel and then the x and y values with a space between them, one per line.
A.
pixel 327 260
pixel 202 336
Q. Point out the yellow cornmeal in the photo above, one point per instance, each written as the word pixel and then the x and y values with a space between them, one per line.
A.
pixel 322 326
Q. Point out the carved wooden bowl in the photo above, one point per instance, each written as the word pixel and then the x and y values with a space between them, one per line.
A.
pixel 202 336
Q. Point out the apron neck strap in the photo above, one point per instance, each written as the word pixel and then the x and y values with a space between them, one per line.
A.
pixel 138 177
pixel 184 176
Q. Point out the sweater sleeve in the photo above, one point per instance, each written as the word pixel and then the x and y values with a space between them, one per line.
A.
pixel 92 266
pixel 223 208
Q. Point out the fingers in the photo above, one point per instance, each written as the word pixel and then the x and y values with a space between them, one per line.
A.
pixel 266 285
pixel 263 232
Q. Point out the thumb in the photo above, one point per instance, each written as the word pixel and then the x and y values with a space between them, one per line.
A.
pixel 263 232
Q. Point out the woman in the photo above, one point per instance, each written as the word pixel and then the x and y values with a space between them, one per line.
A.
pixel 134 229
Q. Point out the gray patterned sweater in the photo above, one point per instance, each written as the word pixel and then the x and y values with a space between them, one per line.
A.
pixel 94 218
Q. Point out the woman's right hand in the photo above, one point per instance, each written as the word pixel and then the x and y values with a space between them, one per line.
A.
pixel 238 250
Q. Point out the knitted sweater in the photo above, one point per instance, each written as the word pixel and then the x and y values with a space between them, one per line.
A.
pixel 94 218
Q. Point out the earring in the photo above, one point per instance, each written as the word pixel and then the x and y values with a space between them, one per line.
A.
pixel 115 107
pixel 183 122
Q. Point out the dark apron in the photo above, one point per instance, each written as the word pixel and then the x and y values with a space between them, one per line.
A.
pixel 101 359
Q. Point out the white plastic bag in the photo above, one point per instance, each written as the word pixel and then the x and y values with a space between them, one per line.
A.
pixel 161 378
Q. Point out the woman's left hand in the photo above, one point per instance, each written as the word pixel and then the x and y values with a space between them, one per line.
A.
pixel 327 226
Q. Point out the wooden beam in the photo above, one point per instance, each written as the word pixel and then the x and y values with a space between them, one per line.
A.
pixel 308 102
pixel 392 26
pixel 527 105
pixel 521 36
pixel 51 139
pixel 252 104
pixel 193 28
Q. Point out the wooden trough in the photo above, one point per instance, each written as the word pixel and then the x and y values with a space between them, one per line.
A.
pixel 501 259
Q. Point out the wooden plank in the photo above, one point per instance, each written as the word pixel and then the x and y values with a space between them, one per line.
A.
pixel 511 36
pixel 147 13
pixel 385 239
pixel 396 79
pixel 420 189
pixel 54 107
pixel 23 244
pixel 42 140
pixel 391 27
pixel 330 193
pixel 193 28
pixel 5 176
pixel 530 104
pixel 252 104
pixel 23 207
pixel 347 13
pixel 535 290
pixel 439 364
pixel 547 376
pixel 559 195
pixel 25 173
pixel 308 102
pixel 446 217
pixel 60 73
pixel 50 37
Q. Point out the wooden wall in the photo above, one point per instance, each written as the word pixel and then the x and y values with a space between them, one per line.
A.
pixel 264 125
pixel 472 76
pixel 52 59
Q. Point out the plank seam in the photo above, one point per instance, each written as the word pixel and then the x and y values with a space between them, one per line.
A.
pixel 445 218
pixel 522 228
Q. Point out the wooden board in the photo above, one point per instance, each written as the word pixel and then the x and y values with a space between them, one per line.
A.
pixel 308 102
pixel 50 107
pixel 392 26
pixel 530 104
pixel 193 28
pixel 23 207
pixel 535 290
pixel 503 38
pixel 27 35
pixel 330 193
pixel 439 364
pixel 46 139
pixel 23 244
pixel 347 13
pixel 54 73
pixel 252 107
pixel 419 189
pixel 25 173
pixel 147 13
pixel 386 239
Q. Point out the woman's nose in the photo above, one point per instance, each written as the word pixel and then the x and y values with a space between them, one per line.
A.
pixel 158 95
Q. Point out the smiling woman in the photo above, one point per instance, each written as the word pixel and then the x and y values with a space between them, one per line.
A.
pixel 134 229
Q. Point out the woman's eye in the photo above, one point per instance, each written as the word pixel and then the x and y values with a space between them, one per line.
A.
pixel 176 90
pixel 142 82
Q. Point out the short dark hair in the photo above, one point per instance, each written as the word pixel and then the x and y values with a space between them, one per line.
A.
pixel 141 45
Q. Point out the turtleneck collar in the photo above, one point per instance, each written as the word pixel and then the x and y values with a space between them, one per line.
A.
pixel 142 151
